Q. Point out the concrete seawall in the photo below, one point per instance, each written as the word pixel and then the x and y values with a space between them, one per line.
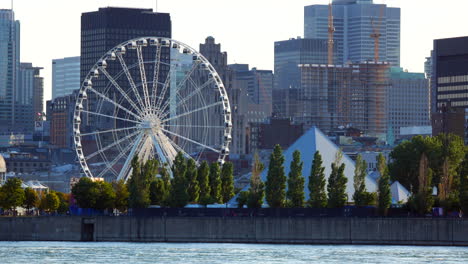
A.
pixel 378 231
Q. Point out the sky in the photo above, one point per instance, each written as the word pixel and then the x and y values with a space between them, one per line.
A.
pixel 246 29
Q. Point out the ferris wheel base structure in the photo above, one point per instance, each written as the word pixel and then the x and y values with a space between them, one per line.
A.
pixel 150 98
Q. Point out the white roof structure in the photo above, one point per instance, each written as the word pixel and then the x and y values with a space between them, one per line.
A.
pixel 399 193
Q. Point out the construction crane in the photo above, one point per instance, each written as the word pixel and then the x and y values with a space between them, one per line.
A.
pixel 331 30
pixel 376 32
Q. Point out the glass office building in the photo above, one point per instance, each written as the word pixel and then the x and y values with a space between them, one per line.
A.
pixel 9 67
pixel 65 76
pixel 353 21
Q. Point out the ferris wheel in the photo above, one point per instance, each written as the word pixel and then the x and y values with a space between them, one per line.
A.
pixel 152 98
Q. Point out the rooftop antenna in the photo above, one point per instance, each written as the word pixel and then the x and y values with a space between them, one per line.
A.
pixel 156 10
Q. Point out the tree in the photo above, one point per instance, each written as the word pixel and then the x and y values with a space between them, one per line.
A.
pixel 257 187
pixel 85 192
pixel 275 190
pixel 30 199
pixel 106 196
pixel 215 183
pixel 242 199
pixel 422 201
pixel 50 202
pixel 64 204
pixel 11 194
pixel 317 182
pixel 361 197
pixel 463 189
pixel 138 184
pixel 121 196
pixel 295 193
pixel 178 195
pixel 193 188
pixel 204 183
pixel 384 199
pixel 337 196
pixel 227 182
pixel 157 191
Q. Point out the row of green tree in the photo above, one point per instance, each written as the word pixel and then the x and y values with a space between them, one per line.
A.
pixel 321 194
pixel 423 163
pixel 12 196
pixel 152 184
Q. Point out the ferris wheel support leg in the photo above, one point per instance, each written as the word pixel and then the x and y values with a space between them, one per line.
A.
pixel 122 174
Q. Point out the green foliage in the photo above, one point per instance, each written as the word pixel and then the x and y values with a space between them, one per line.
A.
pixel 204 183
pixel 50 202
pixel 138 185
pixel 106 196
pixel 337 196
pixel 31 199
pixel 227 182
pixel 242 199
pixel 11 194
pixel 157 192
pixel 257 187
pixel 64 202
pixel 85 192
pixel 384 199
pixel 179 196
pixel 317 182
pixel 361 197
pixel 463 188
pixel 121 195
pixel 405 159
pixel 215 183
pixel 193 189
pixel 276 180
pixel 295 193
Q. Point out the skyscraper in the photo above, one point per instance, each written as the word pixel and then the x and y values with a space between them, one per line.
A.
pixel 290 53
pixel 65 76
pixel 408 100
pixel 104 29
pixel 29 97
pixel 9 67
pixel 450 72
pixel 354 21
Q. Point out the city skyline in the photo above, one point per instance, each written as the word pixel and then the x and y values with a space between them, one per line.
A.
pixel 197 20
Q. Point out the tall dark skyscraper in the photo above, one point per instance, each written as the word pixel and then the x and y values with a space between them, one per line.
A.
pixel 450 72
pixel 104 29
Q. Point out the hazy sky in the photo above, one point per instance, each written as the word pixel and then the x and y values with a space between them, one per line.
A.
pixel 246 29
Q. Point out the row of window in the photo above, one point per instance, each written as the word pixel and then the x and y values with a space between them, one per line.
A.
pixel 453 88
pixel 453 79
pixel 452 96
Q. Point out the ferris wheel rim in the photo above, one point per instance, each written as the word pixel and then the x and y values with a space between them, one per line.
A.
pixel 147 106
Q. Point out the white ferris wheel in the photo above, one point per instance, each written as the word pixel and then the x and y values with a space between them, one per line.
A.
pixel 150 97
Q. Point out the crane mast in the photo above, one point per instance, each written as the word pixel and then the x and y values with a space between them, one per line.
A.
pixel 376 33
pixel 331 30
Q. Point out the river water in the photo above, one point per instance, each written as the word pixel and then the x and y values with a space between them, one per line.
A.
pixel 68 252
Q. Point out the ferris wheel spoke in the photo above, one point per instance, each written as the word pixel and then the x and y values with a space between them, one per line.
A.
pixel 193 126
pixel 178 148
pixel 130 156
pixel 112 117
pixel 157 64
pixel 143 76
pixel 190 112
pixel 112 145
pixel 165 88
pixel 113 102
pixel 190 140
pixel 117 86
pixel 109 166
pixel 109 131
pixel 188 97
pixel 130 80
